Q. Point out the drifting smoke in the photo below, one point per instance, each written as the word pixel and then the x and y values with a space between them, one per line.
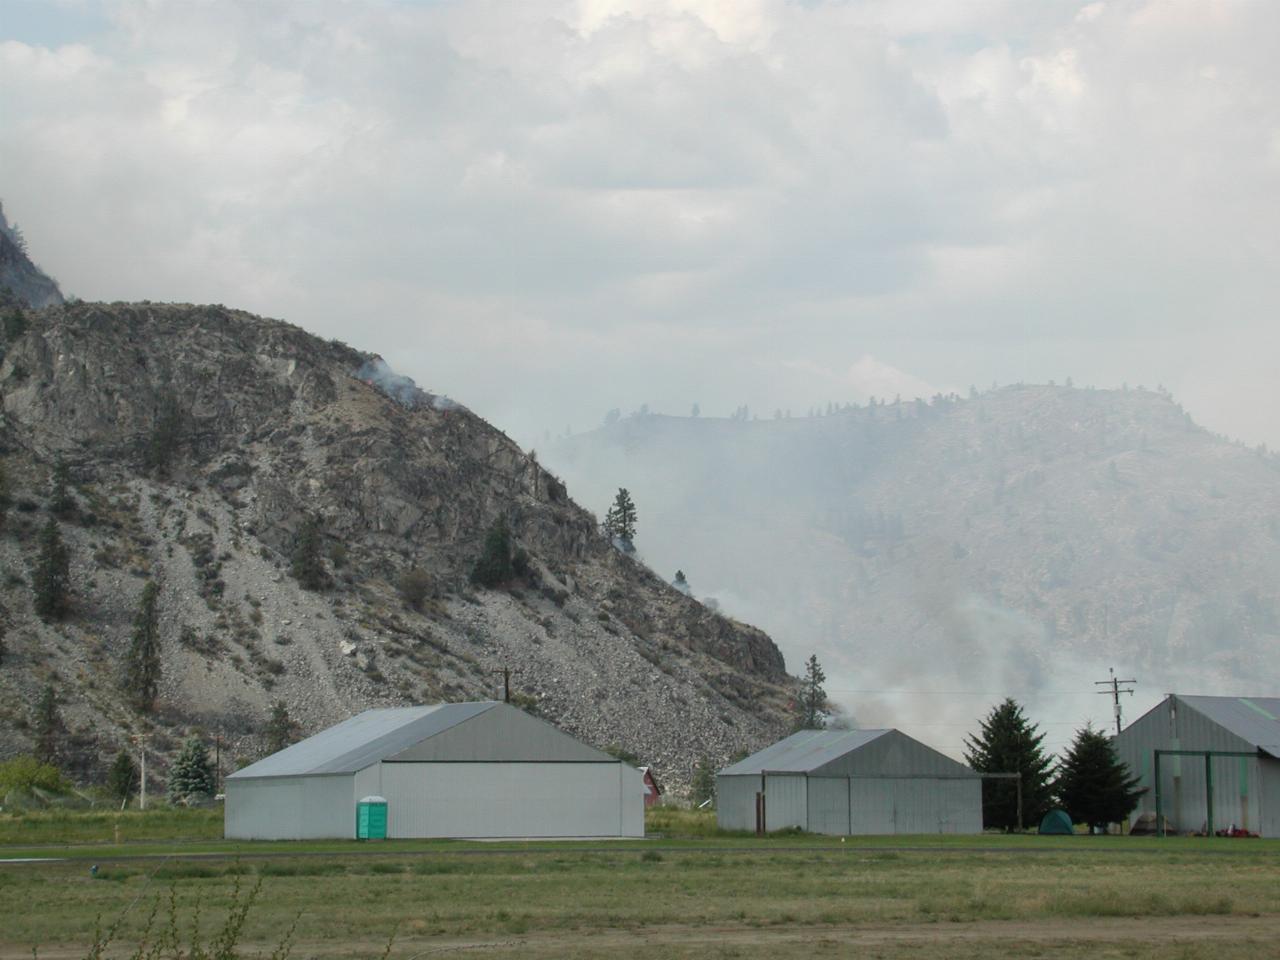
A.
pixel 401 389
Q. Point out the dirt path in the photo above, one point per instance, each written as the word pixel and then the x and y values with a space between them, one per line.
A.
pixel 1142 936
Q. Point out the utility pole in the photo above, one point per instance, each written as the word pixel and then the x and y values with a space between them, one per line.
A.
pixel 141 740
pixel 1115 690
pixel 506 683
pixel 217 753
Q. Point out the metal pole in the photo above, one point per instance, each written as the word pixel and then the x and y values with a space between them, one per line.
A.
pixel 1156 775
pixel 1208 790
pixel 142 749
pixel 1019 783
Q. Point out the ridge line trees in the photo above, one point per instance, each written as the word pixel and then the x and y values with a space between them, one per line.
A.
pixel 620 522
pixel 811 704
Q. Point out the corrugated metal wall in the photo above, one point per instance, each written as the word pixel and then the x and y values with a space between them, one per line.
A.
pixel 1237 781
pixel 786 801
pixel 829 806
pixel 736 802
pixel 915 805
pixel 290 808
pixel 512 799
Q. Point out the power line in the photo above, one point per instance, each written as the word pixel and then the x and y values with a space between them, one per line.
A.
pixel 1115 691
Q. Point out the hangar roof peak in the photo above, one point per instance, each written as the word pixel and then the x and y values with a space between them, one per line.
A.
pixel 364 739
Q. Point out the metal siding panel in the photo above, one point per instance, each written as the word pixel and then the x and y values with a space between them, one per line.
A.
pixel 736 802
pixel 872 806
pixel 632 807
pixel 1269 798
pixel 786 802
pixel 503 799
pixel 502 734
pixel 290 808
pixel 829 805
pixel 1237 798
pixel 895 754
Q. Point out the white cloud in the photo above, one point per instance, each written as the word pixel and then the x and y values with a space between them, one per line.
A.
pixel 659 200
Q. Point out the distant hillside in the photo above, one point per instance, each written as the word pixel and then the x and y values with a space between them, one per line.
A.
pixel 1018 541
pixel 201 441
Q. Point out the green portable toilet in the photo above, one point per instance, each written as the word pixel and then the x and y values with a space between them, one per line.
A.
pixel 1057 822
pixel 371 819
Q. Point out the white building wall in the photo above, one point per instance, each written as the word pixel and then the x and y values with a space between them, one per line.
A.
pixel 786 800
pixel 915 805
pixel 736 802
pixel 829 805
pixel 290 808
pixel 512 799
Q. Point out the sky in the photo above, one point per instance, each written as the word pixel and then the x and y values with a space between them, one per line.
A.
pixel 550 208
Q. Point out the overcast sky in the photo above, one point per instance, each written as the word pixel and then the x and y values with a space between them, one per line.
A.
pixel 547 209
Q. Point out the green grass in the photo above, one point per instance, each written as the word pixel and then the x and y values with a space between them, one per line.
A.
pixel 49 827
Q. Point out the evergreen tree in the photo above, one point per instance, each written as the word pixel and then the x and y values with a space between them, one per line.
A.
pixel 1093 784
pixel 48 726
pixel 496 564
pixel 281 730
pixel 811 706
pixel 191 773
pixel 51 579
pixel 620 521
pixel 142 663
pixel 1009 743
pixel 306 562
pixel 703 786
pixel 681 583
pixel 61 503
pixel 122 777
pixel 166 435
pixel 14 324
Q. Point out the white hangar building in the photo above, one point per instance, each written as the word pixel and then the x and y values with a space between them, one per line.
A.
pixel 1240 776
pixel 850 782
pixel 449 770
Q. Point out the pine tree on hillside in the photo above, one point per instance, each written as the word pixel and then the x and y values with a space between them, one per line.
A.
pixel 48 727
pixel 122 777
pixel 51 579
pixel 61 503
pixel 281 730
pixel 681 583
pixel 1009 743
pixel 620 521
pixel 141 679
pixel 496 563
pixel 191 774
pixel 811 706
pixel 306 562
pixel 1093 784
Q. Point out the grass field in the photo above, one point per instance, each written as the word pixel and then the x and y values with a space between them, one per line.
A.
pixel 690 894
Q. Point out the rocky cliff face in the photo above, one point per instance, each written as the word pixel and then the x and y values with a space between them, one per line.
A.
pixel 199 441
pixel 20 279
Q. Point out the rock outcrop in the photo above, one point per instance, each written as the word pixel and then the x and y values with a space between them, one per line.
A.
pixel 200 441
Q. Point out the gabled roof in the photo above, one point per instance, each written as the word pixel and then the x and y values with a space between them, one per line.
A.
pixel 363 740
pixel 1255 719
pixel 803 752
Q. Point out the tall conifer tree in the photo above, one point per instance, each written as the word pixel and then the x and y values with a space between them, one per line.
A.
pixel 1009 743
pixel 142 662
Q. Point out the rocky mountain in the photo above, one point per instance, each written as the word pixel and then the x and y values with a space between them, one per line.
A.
pixel 1019 541
pixel 20 279
pixel 202 444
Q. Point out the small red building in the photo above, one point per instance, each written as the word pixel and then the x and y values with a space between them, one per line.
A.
pixel 652 789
